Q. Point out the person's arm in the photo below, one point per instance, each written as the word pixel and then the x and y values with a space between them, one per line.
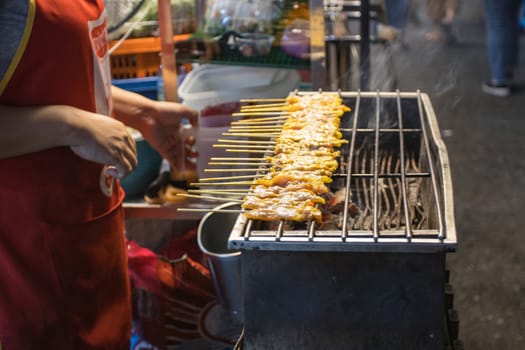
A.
pixel 158 121
pixel 91 136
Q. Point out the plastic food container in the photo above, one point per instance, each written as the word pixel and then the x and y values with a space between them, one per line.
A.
pixel 213 122
pixel 210 84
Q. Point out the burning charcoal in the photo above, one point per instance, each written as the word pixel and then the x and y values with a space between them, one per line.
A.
pixel 330 222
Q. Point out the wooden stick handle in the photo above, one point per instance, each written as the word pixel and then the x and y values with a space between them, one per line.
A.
pixel 229 178
pixel 219 199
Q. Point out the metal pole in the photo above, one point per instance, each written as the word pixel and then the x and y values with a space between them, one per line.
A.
pixel 167 49
pixel 317 45
pixel 365 46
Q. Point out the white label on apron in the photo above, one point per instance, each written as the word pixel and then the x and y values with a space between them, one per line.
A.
pixel 101 68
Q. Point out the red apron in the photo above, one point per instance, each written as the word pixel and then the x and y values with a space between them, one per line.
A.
pixel 63 269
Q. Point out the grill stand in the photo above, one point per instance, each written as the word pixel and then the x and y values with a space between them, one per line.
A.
pixel 362 287
pixel 342 300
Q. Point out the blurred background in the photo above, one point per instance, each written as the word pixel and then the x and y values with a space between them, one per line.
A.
pixel 483 133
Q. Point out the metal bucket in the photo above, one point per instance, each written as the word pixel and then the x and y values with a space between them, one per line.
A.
pixel 224 264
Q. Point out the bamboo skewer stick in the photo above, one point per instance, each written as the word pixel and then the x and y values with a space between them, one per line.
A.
pixel 237 163
pixel 267 147
pixel 249 131
pixel 248 151
pixel 258 130
pixel 221 199
pixel 229 178
pixel 228 170
pixel 204 210
pixel 266 109
pixel 253 131
pixel 256 127
pixel 263 100
pixel 264 105
pixel 231 183
pixel 233 163
pixel 225 192
pixel 247 141
pixel 261 123
pixel 249 134
pixel 243 159
pixel 252 114
pixel 265 119
pixel 229 190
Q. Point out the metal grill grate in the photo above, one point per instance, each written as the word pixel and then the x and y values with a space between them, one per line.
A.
pixel 395 177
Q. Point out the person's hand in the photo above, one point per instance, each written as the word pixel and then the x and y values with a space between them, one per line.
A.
pixel 105 140
pixel 161 127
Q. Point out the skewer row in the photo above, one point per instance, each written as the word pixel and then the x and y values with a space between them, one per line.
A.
pixel 302 133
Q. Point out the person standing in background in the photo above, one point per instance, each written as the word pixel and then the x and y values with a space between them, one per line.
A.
pixel 64 143
pixel 397 13
pixel 522 16
pixel 441 13
pixel 502 34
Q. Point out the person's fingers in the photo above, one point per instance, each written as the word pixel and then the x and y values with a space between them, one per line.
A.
pixel 129 151
pixel 193 117
pixel 190 140
pixel 106 141
pixel 130 155
pixel 124 158
pixel 124 167
pixel 130 141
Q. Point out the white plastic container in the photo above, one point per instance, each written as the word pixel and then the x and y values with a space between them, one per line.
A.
pixel 210 84
pixel 212 124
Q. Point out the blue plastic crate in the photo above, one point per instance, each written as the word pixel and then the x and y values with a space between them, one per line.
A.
pixel 144 86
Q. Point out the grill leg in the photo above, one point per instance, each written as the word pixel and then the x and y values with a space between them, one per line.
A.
pixel 451 329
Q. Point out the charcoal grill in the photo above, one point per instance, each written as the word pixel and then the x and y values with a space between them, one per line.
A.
pixel 373 277
pixel 401 208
